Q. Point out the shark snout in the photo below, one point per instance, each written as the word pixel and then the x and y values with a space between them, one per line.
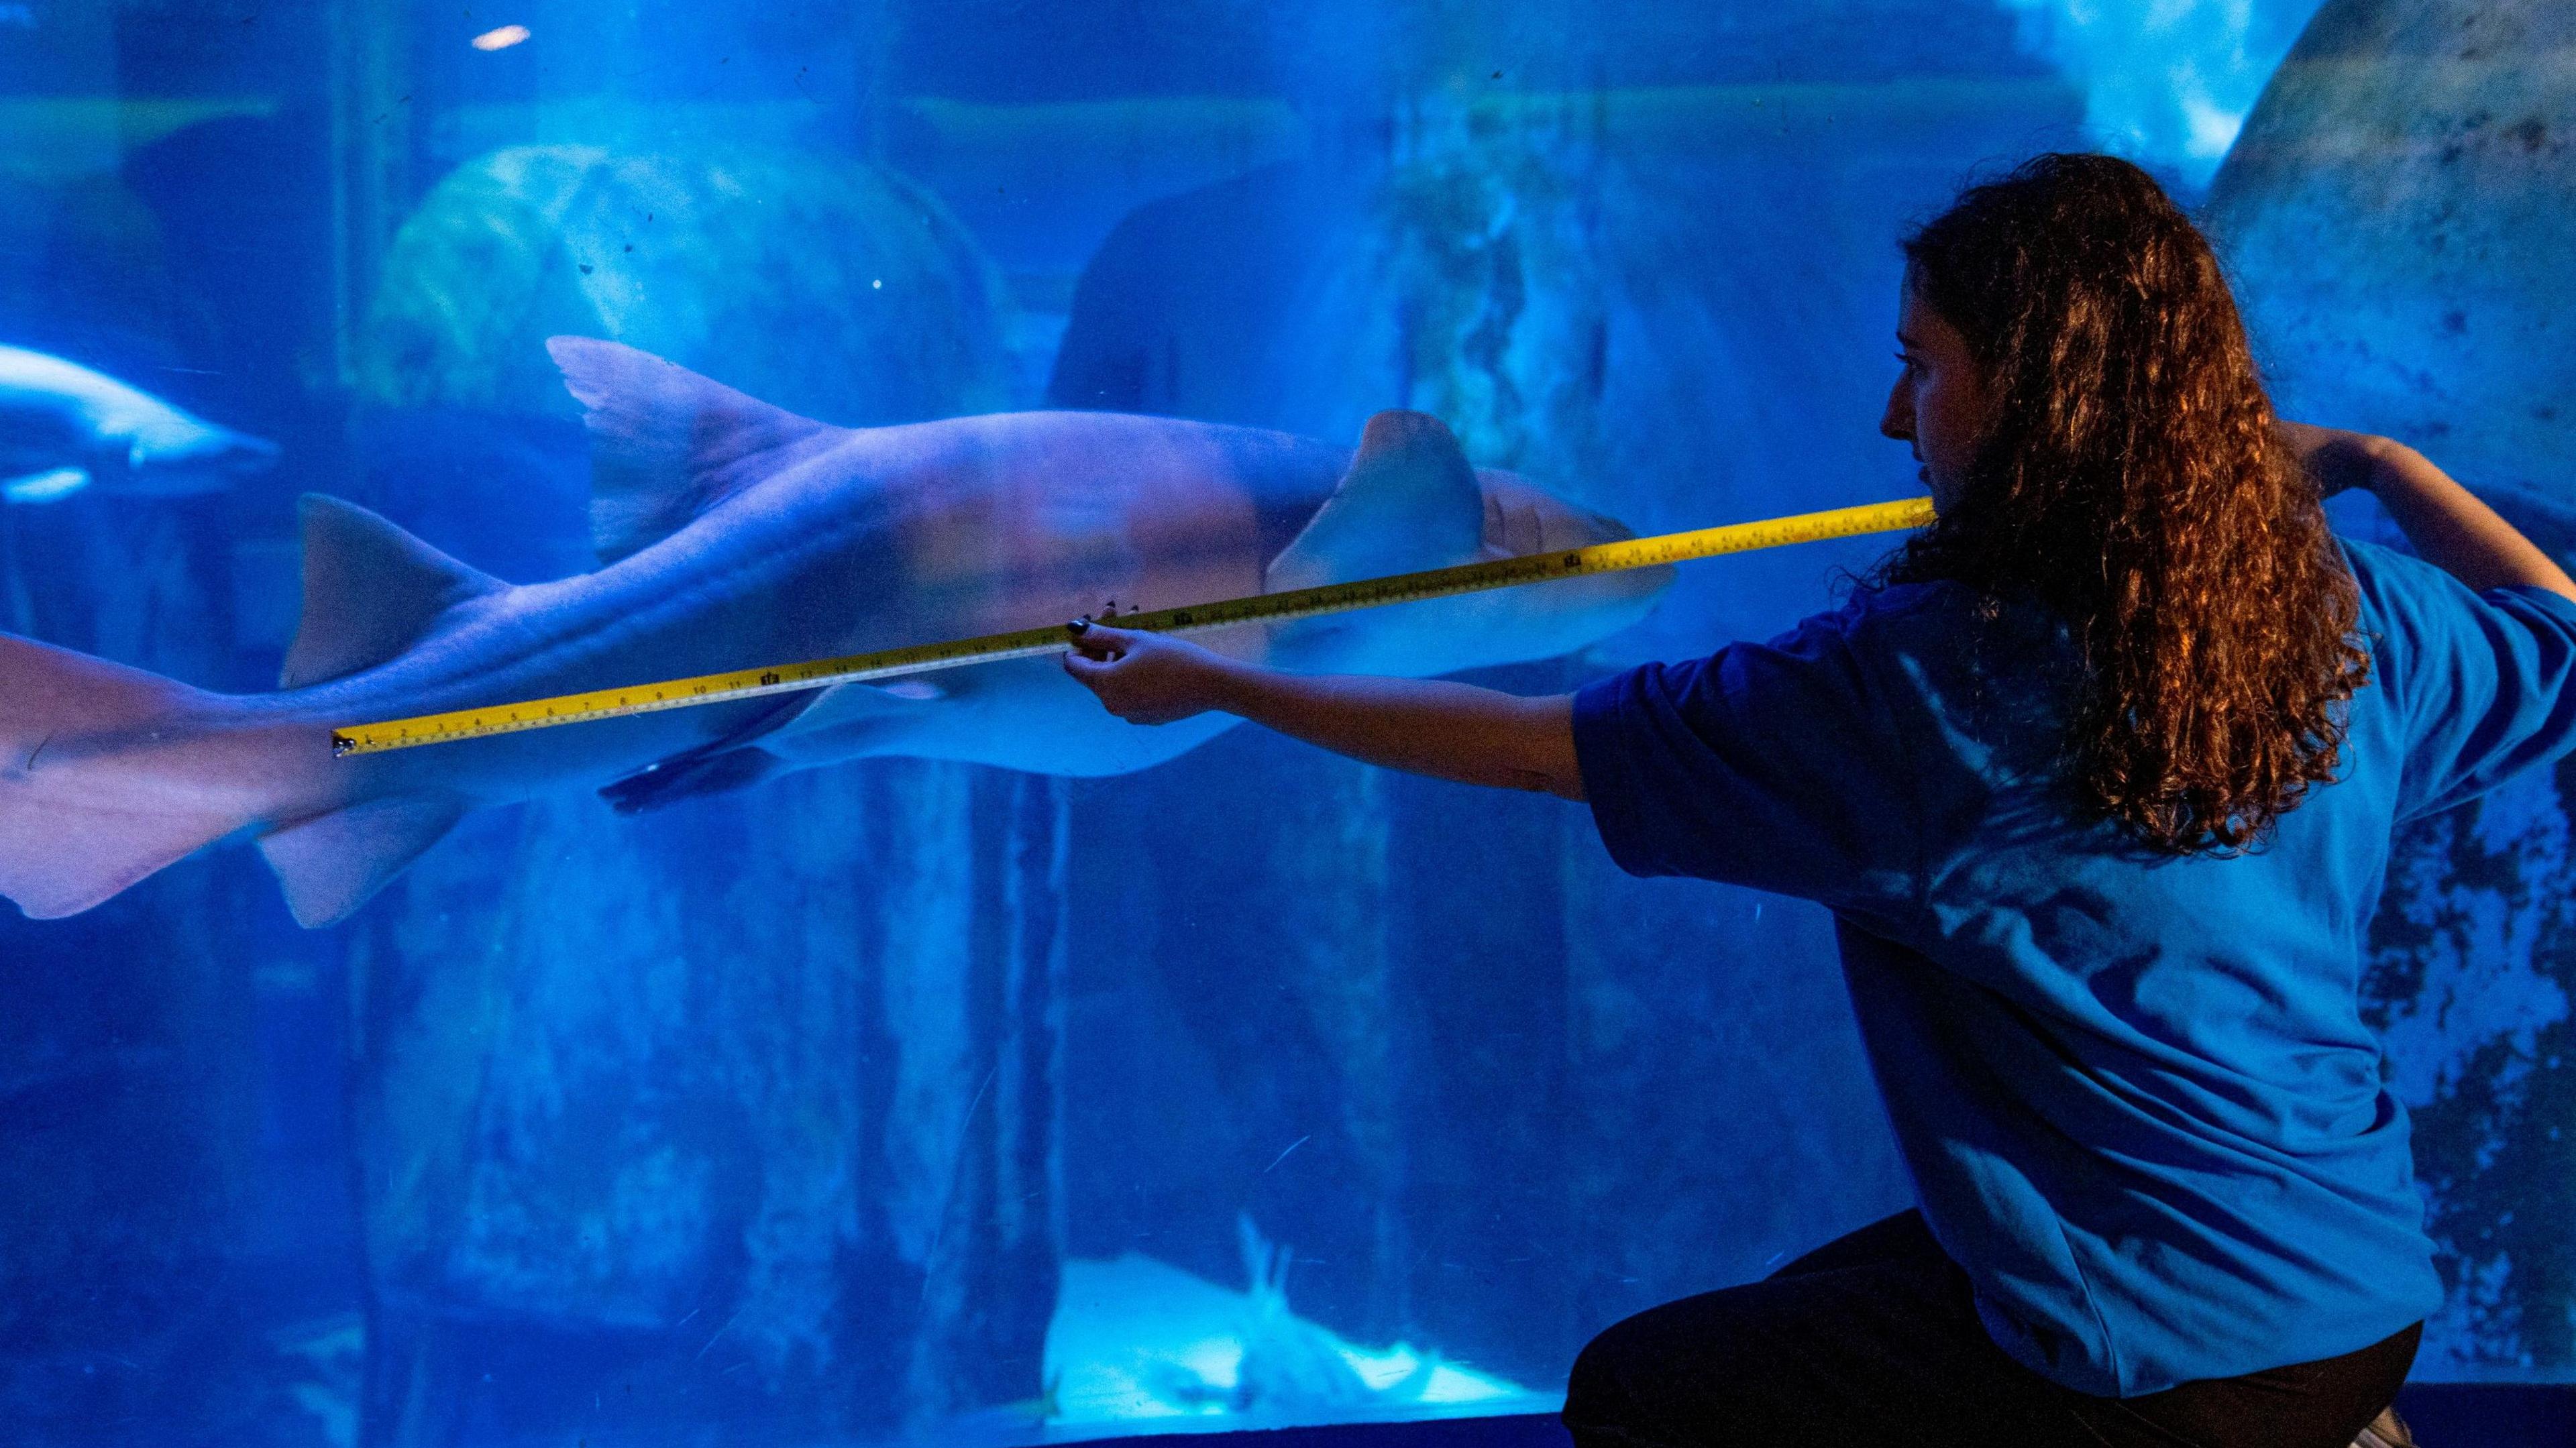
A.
pixel 1601 528
pixel 1521 519
pixel 200 460
pixel 216 449
pixel 1616 596
pixel 1559 617
pixel 242 454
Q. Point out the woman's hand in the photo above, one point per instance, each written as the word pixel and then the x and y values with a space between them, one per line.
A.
pixel 1429 726
pixel 1147 678
pixel 2335 459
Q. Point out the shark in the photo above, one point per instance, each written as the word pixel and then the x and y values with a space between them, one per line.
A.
pixel 733 534
pixel 64 426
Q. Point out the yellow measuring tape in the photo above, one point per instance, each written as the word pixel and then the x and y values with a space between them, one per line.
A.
pixel 1053 638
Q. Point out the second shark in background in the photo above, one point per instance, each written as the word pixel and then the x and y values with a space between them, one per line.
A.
pixel 64 427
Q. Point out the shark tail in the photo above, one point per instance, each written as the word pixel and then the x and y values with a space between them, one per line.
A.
pixel 110 773
pixel 95 792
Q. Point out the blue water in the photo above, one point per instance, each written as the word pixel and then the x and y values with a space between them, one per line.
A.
pixel 912 1100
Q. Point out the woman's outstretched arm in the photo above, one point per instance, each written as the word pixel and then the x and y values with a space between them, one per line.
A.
pixel 2449 527
pixel 1425 726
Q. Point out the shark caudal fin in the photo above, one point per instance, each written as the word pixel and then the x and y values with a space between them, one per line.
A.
pixel 99 785
pixel 665 443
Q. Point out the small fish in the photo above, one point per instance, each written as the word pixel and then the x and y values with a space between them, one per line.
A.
pixel 64 427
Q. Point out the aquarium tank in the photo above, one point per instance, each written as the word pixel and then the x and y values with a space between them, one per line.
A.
pixel 931 1064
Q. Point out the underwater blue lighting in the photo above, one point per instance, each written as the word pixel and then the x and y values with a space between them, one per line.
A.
pixel 908 1063
pixel 2168 85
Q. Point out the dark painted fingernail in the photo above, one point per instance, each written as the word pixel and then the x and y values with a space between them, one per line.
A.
pixel 1080 627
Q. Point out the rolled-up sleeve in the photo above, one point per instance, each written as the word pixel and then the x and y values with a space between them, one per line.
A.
pixel 2486 681
pixel 1769 765
pixel 2496 697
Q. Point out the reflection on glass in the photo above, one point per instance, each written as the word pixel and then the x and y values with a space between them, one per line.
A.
pixel 941 1063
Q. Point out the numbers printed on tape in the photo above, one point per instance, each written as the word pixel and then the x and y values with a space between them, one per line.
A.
pixel 1052 638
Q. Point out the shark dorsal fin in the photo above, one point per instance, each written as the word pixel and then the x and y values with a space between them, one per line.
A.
pixel 1408 502
pixel 665 443
pixel 371 591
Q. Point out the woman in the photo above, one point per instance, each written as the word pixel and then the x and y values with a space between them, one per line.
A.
pixel 2098 776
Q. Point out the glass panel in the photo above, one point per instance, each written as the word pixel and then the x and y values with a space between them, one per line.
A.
pixel 945 1062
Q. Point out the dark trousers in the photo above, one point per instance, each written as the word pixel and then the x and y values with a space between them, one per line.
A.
pixel 1874 1339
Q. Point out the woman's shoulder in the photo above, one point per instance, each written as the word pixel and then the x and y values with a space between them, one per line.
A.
pixel 2379 568
pixel 2392 578
pixel 2409 605
pixel 1928 614
pixel 1891 602
pixel 1949 647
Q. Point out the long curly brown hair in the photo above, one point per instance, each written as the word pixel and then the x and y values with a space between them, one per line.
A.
pixel 2132 483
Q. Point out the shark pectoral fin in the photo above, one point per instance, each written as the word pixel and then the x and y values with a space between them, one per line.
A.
pixel 333 863
pixel 371 591
pixel 808 729
pixel 1408 502
pixel 915 690
pixel 729 761
pixel 689 776
pixel 665 443
pixel 847 706
pixel 853 720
